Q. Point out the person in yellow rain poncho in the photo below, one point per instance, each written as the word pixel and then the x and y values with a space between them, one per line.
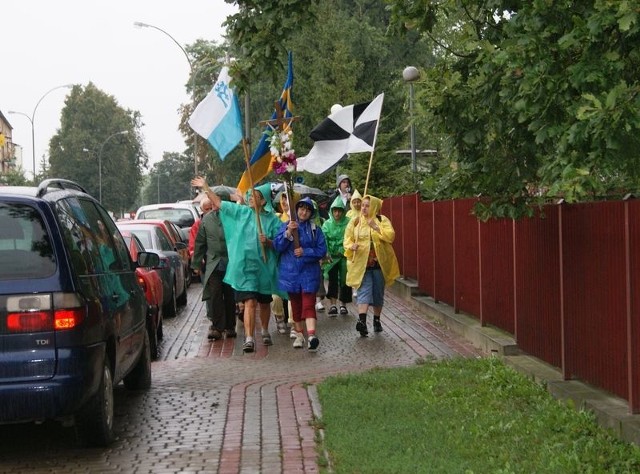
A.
pixel 355 204
pixel 371 261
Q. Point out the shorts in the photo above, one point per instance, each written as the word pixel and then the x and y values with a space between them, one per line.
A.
pixel 371 290
pixel 242 296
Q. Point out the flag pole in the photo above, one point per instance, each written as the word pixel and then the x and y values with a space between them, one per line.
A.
pixel 258 209
pixel 375 138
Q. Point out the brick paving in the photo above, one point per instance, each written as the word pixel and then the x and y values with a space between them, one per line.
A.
pixel 213 409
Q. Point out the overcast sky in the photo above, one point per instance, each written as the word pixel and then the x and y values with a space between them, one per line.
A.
pixel 48 43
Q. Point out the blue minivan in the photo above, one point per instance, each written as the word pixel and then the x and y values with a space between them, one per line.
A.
pixel 72 315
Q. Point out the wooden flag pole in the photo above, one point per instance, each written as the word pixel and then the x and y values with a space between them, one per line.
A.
pixel 258 209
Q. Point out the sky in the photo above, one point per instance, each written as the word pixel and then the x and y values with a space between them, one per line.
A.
pixel 51 43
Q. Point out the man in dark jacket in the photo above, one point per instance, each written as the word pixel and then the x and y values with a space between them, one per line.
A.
pixel 211 248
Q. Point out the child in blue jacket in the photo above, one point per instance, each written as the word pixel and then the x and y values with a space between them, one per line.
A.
pixel 299 269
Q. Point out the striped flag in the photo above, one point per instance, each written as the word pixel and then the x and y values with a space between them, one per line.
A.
pixel 351 129
pixel 217 118
pixel 260 162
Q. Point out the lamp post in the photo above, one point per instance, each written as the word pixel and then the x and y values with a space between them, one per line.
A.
pixel 139 24
pixel 123 132
pixel 411 74
pixel 32 120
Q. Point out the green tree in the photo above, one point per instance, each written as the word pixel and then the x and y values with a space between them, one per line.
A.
pixel 89 134
pixel 536 103
pixel 14 177
pixel 169 180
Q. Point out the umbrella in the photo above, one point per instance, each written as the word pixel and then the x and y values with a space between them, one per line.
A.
pixel 304 190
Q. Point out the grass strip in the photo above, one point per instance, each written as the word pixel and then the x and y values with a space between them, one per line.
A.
pixel 461 416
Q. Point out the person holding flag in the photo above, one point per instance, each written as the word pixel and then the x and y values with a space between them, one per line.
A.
pixel 252 267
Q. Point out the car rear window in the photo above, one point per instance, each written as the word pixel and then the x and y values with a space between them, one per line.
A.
pixel 180 217
pixel 25 245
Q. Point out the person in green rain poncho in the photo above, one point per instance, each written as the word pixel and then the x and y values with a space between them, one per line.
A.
pixel 252 270
pixel 335 266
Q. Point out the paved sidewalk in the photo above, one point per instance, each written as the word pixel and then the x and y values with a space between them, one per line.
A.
pixel 214 409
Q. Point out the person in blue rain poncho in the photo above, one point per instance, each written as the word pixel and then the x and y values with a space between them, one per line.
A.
pixel 252 268
pixel 299 271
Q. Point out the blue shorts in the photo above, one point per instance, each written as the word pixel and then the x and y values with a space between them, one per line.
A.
pixel 371 289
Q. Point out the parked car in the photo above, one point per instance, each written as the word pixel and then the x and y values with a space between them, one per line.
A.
pixel 156 237
pixel 150 281
pixel 182 214
pixel 72 315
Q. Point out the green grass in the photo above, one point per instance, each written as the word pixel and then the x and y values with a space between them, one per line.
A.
pixel 461 416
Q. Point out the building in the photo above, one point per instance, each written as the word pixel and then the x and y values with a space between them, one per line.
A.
pixel 7 148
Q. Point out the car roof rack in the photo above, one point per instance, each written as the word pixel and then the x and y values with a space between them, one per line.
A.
pixel 57 183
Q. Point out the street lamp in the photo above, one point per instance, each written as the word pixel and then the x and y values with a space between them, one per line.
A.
pixel 123 132
pixel 32 119
pixel 139 24
pixel 411 74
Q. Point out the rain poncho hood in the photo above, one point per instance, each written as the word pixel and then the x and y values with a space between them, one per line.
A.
pixel 364 235
pixel 310 203
pixel 265 190
pixel 353 212
pixel 341 178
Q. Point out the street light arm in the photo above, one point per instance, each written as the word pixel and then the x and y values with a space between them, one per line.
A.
pixel 20 113
pixel 139 24
pixel 33 115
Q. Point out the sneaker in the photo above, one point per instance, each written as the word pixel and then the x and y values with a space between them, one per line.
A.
pixel 299 342
pixel 377 326
pixel 248 346
pixel 282 326
pixel 361 327
pixel 314 342
pixel 319 306
pixel 333 311
pixel 343 310
pixel 214 334
pixel 266 339
pixel 293 334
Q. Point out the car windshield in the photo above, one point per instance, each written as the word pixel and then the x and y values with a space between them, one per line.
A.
pixel 180 217
pixel 25 246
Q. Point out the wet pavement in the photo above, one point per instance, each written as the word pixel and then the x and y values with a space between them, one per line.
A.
pixel 212 408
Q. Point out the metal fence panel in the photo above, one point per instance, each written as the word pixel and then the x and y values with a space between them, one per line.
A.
pixel 537 286
pixel 594 290
pixel 467 258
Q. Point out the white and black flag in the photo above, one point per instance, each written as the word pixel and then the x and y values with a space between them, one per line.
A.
pixel 351 129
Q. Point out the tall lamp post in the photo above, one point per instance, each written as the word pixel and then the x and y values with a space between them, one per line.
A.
pixel 32 120
pixel 139 24
pixel 411 74
pixel 123 132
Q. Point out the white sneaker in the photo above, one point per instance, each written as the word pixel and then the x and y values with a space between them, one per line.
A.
pixel 282 326
pixel 299 342
pixel 319 306
pixel 293 334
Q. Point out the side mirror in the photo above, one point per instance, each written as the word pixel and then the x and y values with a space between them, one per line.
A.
pixel 148 259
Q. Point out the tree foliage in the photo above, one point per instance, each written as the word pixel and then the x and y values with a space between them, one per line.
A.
pixel 169 180
pixel 533 99
pixel 89 134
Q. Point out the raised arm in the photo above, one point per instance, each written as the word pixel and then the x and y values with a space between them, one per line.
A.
pixel 199 182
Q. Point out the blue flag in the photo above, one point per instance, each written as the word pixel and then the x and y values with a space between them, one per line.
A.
pixel 217 118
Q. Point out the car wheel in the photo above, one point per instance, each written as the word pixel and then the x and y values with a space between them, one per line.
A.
pixel 182 299
pixel 153 337
pixel 160 331
pixel 140 377
pixel 171 309
pixel 188 276
pixel 94 423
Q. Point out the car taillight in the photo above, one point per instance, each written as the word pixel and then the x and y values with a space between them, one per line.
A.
pixel 36 321
pixel 38 313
